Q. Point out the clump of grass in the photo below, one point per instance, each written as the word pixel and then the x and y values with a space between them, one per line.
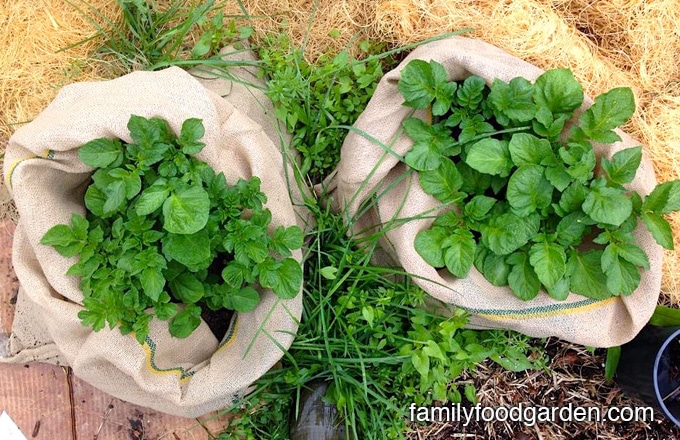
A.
pixel 150 37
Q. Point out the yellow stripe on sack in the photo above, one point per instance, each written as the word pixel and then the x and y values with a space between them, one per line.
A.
pixel 544 312
pixel 46 154
pixel 149 347
pixel 231 335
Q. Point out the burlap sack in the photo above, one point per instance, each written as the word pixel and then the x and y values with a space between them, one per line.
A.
pixel 367 168
pixel 185 377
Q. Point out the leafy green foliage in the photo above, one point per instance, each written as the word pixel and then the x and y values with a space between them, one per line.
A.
pixel 526 198
pixel 164 229
pixel 365 331
pixel 316 101
pixel 427 84
pixel 216 34
pixel 612 362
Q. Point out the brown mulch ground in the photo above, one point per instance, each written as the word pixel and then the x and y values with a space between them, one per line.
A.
pixel 576 377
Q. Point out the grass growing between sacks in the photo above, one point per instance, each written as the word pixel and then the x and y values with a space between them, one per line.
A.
pixel 365 331
pixel 152 36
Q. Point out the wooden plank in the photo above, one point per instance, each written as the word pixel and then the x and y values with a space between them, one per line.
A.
pixel 38 399
pixel 35 396
pixel 102 417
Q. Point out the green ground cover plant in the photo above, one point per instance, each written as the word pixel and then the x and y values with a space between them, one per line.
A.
pixel 365 330
pixel 163 229
pixel 523 201
pixel 314 100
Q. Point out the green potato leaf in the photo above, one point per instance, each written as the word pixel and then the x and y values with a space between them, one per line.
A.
pixel 115 196
pixel 478 207
pixel 186 321
pixel 186 211
pixel 443 182
pixel 607 205
pixel 495 269
pixel 549 262
pixel 664 199
pixel 460 252
pixel 522 279
pixel 586 275
pixel 560 290
pixel 528 190
pixel 558 176
pixel 430 142
pixel 573 197
pixel 192 131
pixel 623 166
pixel 152 198
pixel 571 228
pixel 429 245
pixel 610 110
pixel 95 200
pixel 153 282
pixel 242 300
pixel 631 253
pixel 490 156
pixel 187 288
pixel 100 153
pixel 188 249
pixel 471 93
pixel 508 232
pixel 286 239
pixel 58 235
pixel 660 229
pixel 146 132
pixel 421 83
pixel 558 91
pixel 513 101
pixel 622 276
pixel 284 278
pixel 527 149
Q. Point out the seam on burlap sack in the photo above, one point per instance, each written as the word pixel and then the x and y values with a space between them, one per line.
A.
pixel 578 319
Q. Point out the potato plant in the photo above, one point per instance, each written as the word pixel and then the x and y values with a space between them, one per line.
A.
pixel 525 204
pixel 166 236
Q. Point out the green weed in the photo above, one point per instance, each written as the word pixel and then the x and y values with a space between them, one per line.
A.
pixel 313 99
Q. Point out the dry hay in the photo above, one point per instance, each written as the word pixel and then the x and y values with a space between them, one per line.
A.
pixel 32 68
pixel 312 25
pixel 607 43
